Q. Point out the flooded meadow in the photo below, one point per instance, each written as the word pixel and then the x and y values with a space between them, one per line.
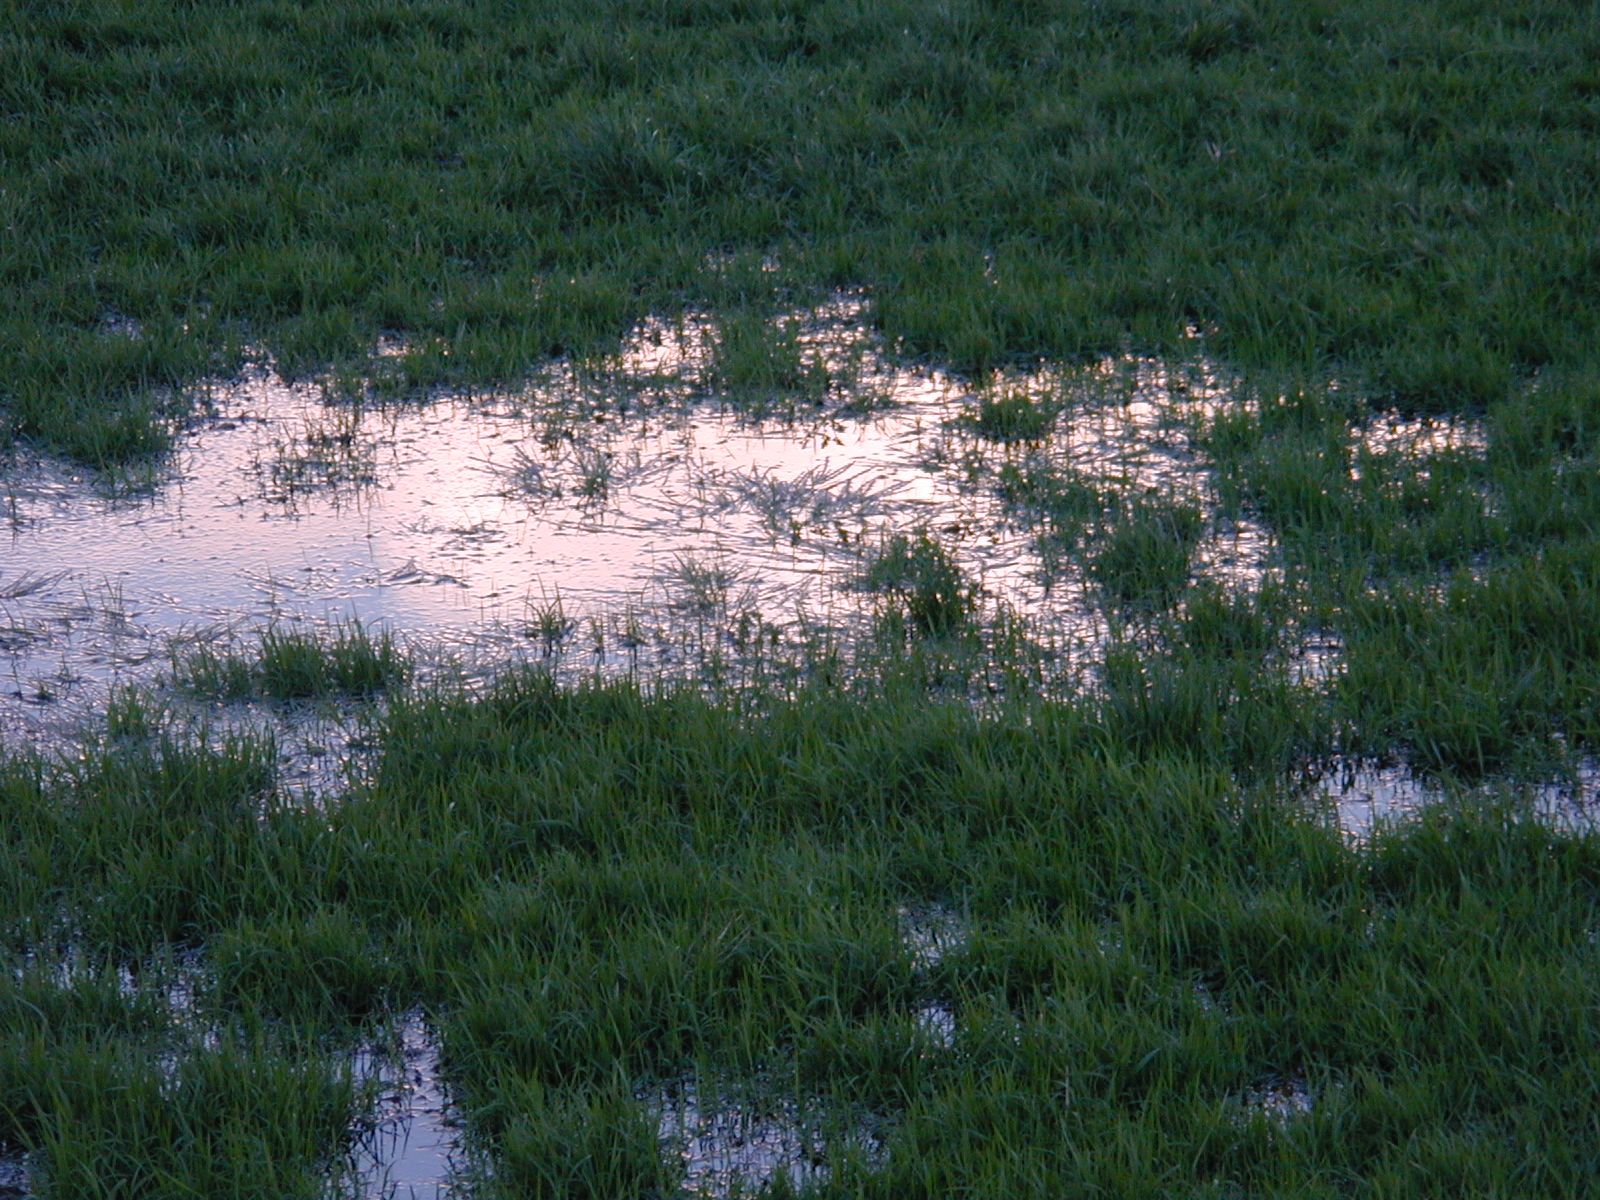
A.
pixel 655 515
pixel 679 516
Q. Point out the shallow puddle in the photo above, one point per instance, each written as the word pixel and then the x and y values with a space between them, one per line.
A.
pixel 1361 797
pixel 931 931
pixel 730 1146
pixel 409 1147
pixel 1280 1100
pixel 626 518
pixel 14 1179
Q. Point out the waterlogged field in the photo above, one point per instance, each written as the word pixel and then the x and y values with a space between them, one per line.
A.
pixel 775 599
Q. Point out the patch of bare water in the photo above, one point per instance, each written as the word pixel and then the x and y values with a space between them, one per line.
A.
pixel 736 1145
pixel 1280 1100
pixel 930 932
pixel 1419 437
pixel 15 1181
pixel 623 516
pixel 1360 797
pixel 408 1147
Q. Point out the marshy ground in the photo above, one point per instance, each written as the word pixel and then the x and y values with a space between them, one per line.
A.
pixel 799 599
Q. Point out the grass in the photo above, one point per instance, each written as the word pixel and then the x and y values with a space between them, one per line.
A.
pixel 1143 557
pixel 606 893
pixel 293 665
pixel 762 367
pixel 1041 181
pixel 925 584
pixel 712 891
pixel 1011 415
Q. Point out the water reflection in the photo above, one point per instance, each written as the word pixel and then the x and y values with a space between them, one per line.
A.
pixel 1361 797
pixel 627 515
pixel 733 1146
pixel 408 1148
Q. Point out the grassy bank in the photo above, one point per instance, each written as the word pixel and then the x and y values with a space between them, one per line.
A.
pixel 1405 200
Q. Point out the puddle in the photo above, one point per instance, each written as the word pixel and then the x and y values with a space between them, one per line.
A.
pixel 408 1148
pixel 14 1179
pixel 930 932
pixel 615 518
pixel 1280 1100
pixel 734 1147
pixel 1361 796
pixel 1419 437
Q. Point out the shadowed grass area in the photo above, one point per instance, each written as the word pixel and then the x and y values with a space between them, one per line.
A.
pixel 1404 197
pixel 600 893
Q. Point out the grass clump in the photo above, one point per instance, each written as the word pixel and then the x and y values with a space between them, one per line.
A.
pixel 924 581
pixel 760 366
pixel 1142 559
pixel 1011 415
pixel 295 665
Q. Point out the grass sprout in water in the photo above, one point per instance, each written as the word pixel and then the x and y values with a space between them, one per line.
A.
pixel 296 665
pixel 1144 556
pixel 1011 415
pixel 924 581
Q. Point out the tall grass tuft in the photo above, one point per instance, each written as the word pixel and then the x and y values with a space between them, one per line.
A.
pixel 924 581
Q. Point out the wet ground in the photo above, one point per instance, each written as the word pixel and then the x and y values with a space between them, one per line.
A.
pixel 656 515
pixel 629 518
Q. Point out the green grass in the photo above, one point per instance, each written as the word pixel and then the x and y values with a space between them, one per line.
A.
pixel 1460 579
pixel 598 893
pixel 1011 416
pixel 1143 557
pixel 1405 199
pixel 295 665
pixel 762 368
pixel 926 586
pixel 608 892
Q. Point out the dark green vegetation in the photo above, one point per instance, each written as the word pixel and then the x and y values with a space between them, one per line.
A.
pixel 1464 581
pixel 597 893
pixel 296 665
pixel 1405 196
pixel 924 584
